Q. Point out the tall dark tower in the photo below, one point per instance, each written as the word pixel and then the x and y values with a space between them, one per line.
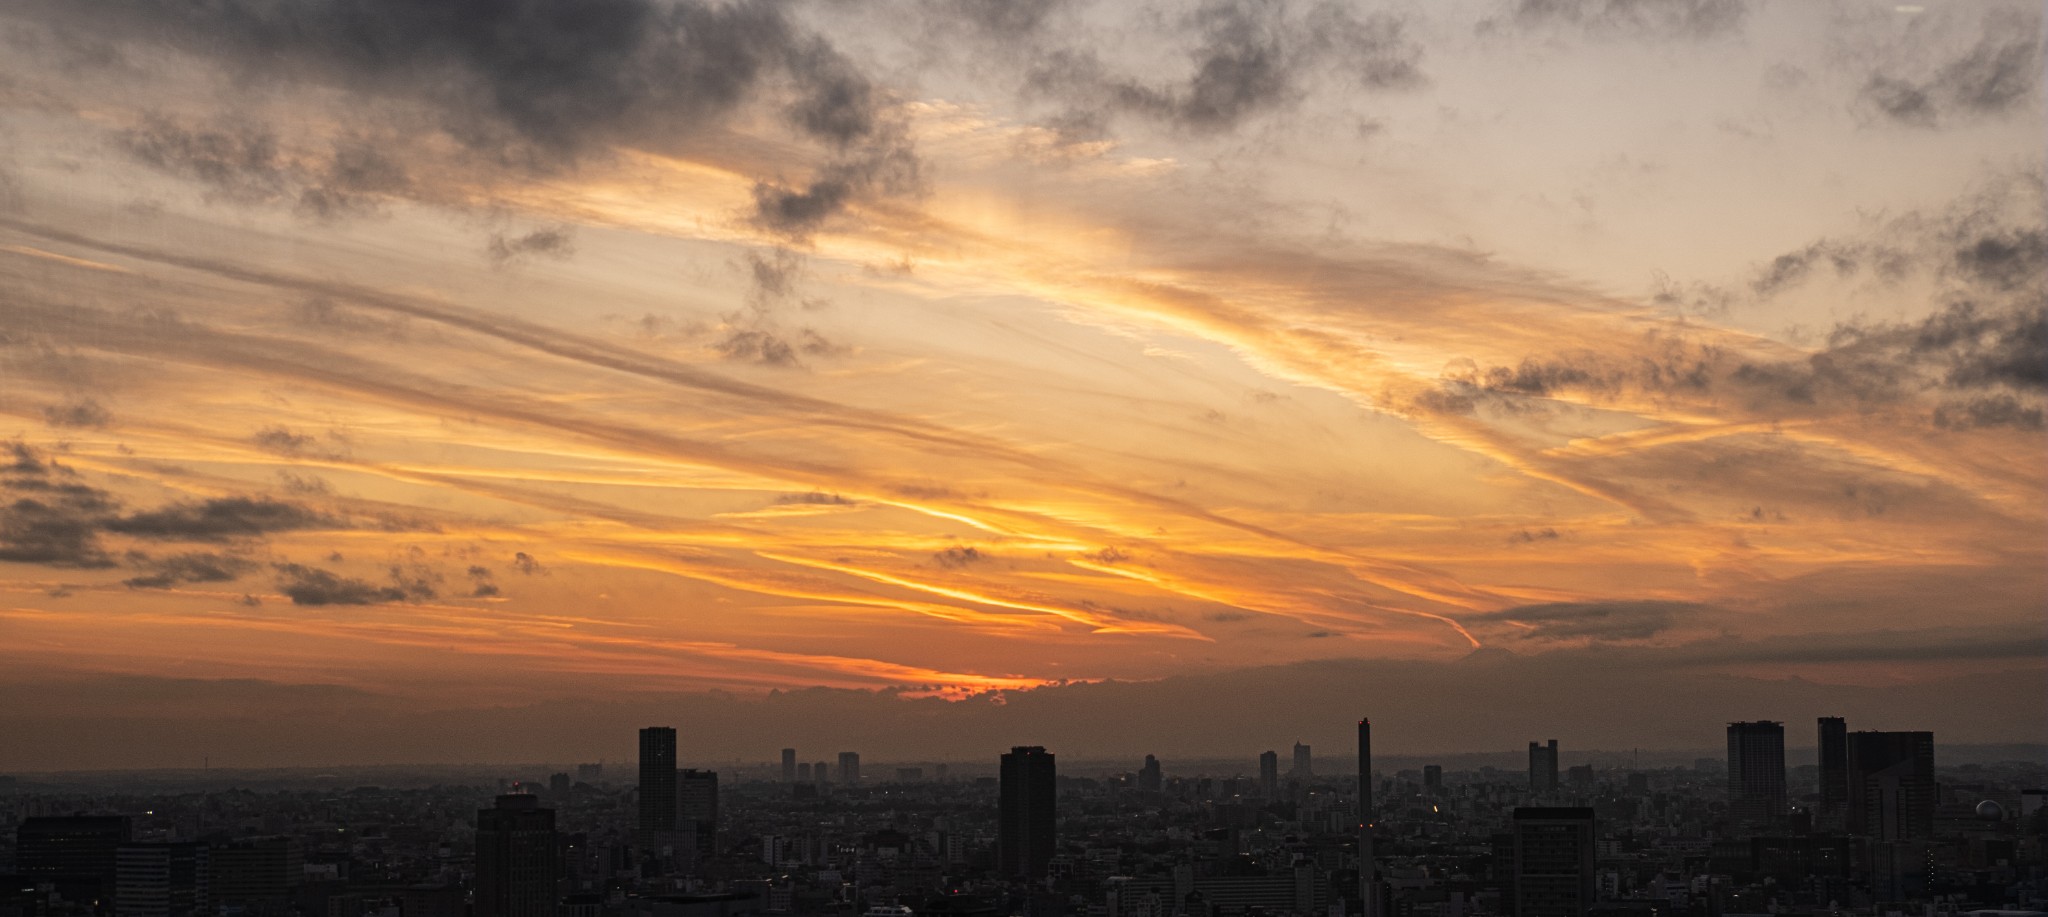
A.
pixel 1756 773
pixel 657 783
pixel 1024 837
pixel 789 765
pixel 1269 774
pixel 1543 767
pixel 1834 763
pixel 516 859
pixel 1368 863
pixel 1891 785
pixel 1554 862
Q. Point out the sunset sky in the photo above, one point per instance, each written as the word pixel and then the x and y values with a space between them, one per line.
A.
pixel 392 360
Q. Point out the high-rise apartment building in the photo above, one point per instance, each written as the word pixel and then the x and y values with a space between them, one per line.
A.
pixel 1026 813
pixel 1150 777
pixel 1369 891
pixel 1303 767
pixel 1269 774
pixel 1433 779
pixel 657 784
pixel 517 859
pixel 257 875
pixel 1554 862
pixel 1891 785
pixel 1834 763
pixel 1543 767
pixel 789 765
pixel 697 808
pixel 849 768
pixel 76 851
pixel 161 880
pixel 1756 773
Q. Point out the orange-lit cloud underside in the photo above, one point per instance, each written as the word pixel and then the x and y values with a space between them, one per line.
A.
pixel 981 438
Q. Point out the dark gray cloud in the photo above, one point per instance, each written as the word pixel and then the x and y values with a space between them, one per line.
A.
pixel 482 584
pixel 237 162
pixel 1002 19
pixel 219 519
pixel 769 348
pixel 887 167
pixel 1995 77
pixel 551 242
pixel 957 557
pixel 1251 57
pixel 1988 411
pixel 517 84
pixel 195 567
pixel 246 163
pixel 313 586
pixel 1979 358
pixel 84 412
pixel 815 498
pixel 283 441
pixel 1686 19
pixel 1595 620
pixel 527 564
pixel 50 517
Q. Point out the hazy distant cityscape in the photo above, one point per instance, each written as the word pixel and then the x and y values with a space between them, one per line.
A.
pixel 1878 824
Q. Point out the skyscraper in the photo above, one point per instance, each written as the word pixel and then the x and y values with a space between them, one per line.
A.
pixel 697 808
pixel 789 765
pixel 657 784
pixel 1543 767
pixel 1150 779
pixel 1891 785
pixel 1269 774
pixel 1554 874
pixel 516 858
pixel 1024 834
pixel 849 768
pixel 160 880
pixel 1756 773
pixel 1302 766
pixel 1368 858
pixel 80 849
pixel 821 774
pixel 1432 779
pixel 1834 763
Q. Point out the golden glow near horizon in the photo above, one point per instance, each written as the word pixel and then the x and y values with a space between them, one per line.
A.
pixel 312 385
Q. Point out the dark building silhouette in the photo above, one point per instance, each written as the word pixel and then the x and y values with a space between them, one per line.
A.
pixel 1150 778
pixel 1369 891
pixel 1433 779
pixel 558 786
pixel 1303 767
pixel 161 880
pixel 517 859
pixel 1543 767
pixel 697 808
pixel 657 783
pixel 79 853
pixel 1026 812
pixel 1834 763
pixel 803 772
pixel 260 875
pixel 789 765
pixel 1554 862
pixel 1269 774
pixel 1891 785
pixel 849 768
pixel 1756 773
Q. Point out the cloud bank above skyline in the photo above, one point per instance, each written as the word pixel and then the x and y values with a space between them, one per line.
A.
pixel 536 353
